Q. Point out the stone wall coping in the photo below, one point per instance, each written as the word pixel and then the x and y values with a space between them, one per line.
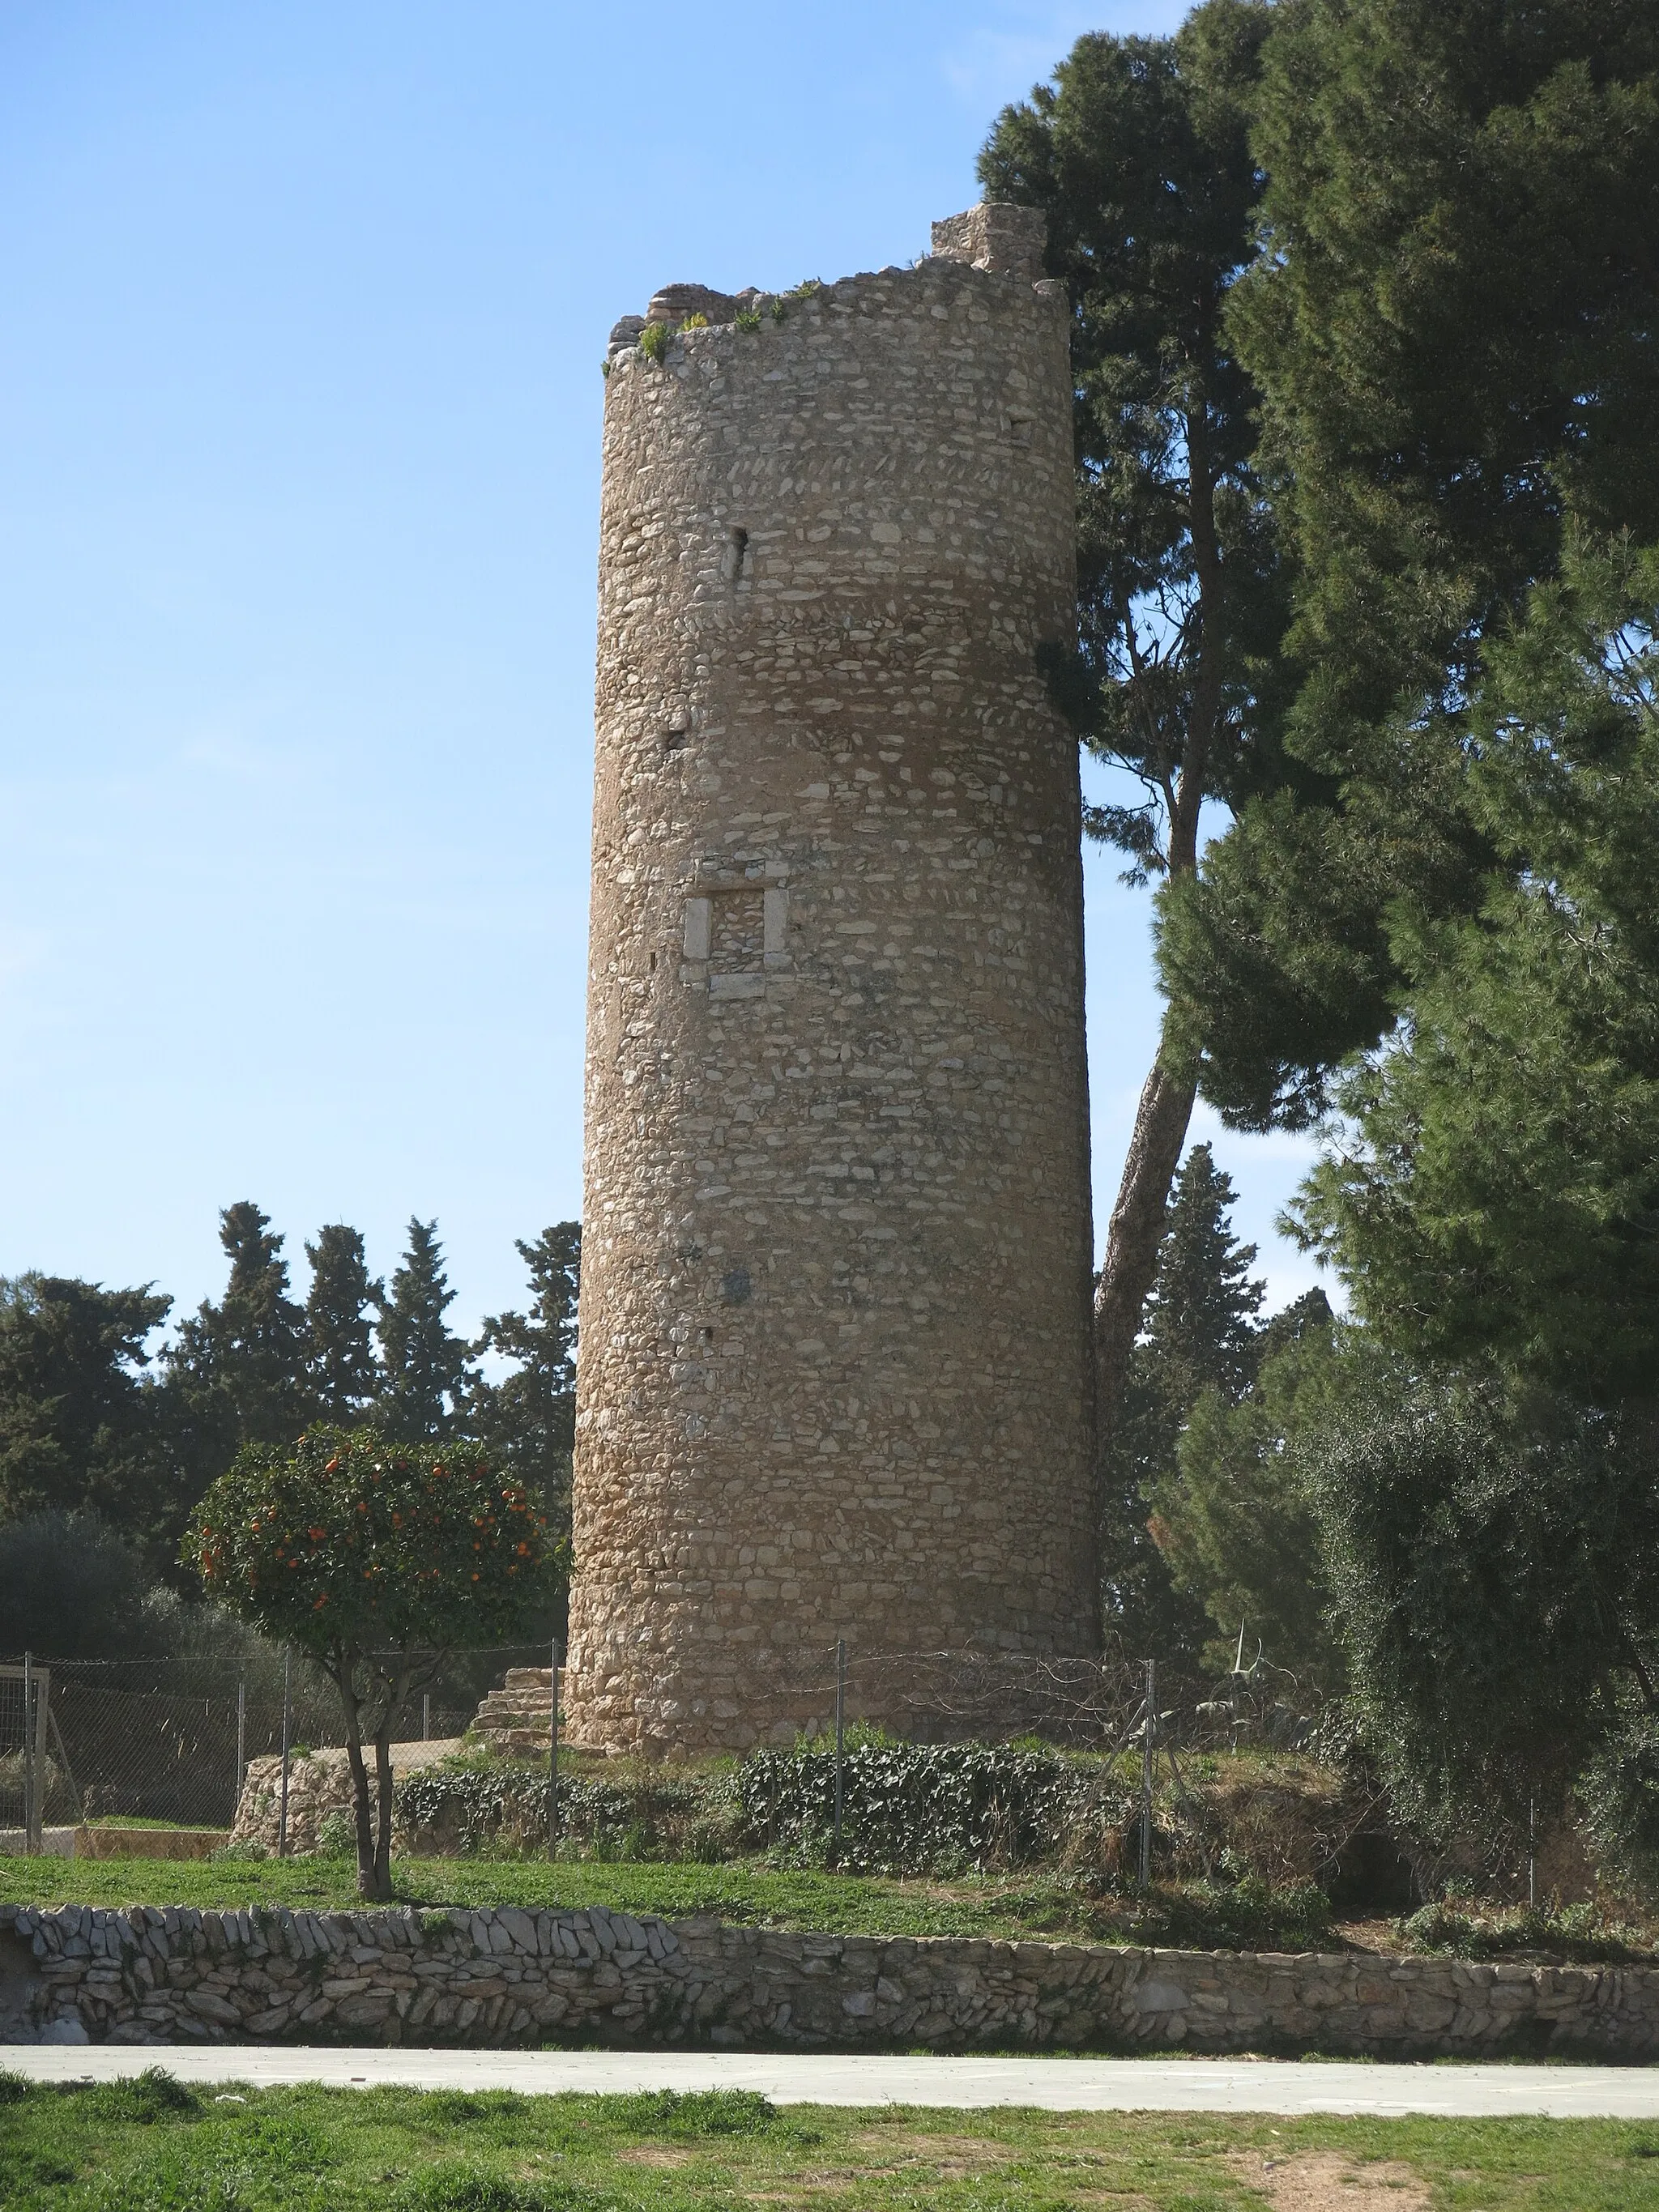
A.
pixel 406 1926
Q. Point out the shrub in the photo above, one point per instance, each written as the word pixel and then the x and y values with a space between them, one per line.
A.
pixel 654 341
pixel 915 1808
pixel 72 1586
pixel 337 1834
pixel 504 1808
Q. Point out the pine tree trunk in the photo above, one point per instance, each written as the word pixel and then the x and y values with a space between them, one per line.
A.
pixel 1135 1233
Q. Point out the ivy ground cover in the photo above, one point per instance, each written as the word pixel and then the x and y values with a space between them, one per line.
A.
pixel 153 2145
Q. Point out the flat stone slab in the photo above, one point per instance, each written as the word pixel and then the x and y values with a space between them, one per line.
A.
pixel 1055 2085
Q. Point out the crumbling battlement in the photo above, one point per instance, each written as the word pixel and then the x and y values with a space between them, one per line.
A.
pixel 998 240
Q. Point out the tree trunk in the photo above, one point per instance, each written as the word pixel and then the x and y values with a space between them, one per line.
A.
pixel 1137 1230
pixel 383 1784
pixel 362 1819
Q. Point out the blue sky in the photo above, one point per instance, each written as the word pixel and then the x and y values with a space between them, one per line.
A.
pixel 299 429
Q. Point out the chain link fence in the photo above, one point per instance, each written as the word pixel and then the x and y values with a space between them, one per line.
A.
pixel 167 1742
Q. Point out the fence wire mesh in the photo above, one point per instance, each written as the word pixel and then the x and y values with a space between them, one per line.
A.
pixel 166 1741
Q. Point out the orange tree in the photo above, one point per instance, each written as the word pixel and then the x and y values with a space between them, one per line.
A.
pixel 377 1559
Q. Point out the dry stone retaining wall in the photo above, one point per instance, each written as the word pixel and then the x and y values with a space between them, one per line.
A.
pixel 505 1976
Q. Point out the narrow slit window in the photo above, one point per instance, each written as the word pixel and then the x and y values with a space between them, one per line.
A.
pixel 734 556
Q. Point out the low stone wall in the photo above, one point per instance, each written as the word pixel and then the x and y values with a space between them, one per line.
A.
pixel 319 1784
pixel 152 1975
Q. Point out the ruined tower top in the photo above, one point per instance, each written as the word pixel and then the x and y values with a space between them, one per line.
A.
pixel 1005 240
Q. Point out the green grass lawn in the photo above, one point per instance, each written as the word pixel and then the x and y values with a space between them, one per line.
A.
pixel 1034 1905
pixel 153 2145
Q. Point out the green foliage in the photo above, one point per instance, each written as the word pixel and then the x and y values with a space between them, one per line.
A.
pixel 1138 153
pixel 914 1807
pixel 583 2153
pixel 375 1559
pixel 747 319
pixel 1454 325
pixel 335 1835
pixel 1198 1335
pixel 352 1541
pixel 341 1368
pixel 1232 1517
pixel 78 1430
pixel 1495 1572
pixel 1450 323
pixel 502 1806
pixel 236 1373
pixel 696 2115
pixel 529 1419
pixel 1497 1192
pixel 694 323
pixel 1585 1933
pixel 652 341
pixel 143 2100
pixel 1243 1916
pixel 70 1587
pixel 458 2186
pixel 1483 1468
pixel 424 1368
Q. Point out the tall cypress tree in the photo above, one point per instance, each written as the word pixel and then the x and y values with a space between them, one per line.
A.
pixel 529 1417
pixel 237 1373
pixel 425 1368
pixel 343 1372
pixel 1199 1334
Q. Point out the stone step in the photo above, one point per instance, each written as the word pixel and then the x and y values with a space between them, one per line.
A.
pixel 515 1717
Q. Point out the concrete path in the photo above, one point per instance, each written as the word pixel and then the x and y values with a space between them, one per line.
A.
pixel 1060 2085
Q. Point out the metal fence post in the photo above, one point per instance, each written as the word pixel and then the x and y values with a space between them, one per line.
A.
pixel 287 1730
pixel 841 1742
pixel 426 1717
pixel 242 1742
pixel 1532 1852
pixel 1148 1754
pixel 29 1824
pixel 553 1753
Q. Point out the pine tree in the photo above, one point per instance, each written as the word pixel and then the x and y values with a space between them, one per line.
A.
pixel 1198 1333
pixel 530 1418
pixel 1140 156
pixel 237 1373
pixel 1234 1518
pixel 425 1368
pixel 78 1430
pixel 343 1373
pixel 1450 322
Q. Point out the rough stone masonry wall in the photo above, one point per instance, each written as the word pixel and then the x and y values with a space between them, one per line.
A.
pixel 501 1977
pixel 836 1242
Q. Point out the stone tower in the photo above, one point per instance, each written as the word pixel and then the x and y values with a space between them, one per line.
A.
pixel 835 1267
